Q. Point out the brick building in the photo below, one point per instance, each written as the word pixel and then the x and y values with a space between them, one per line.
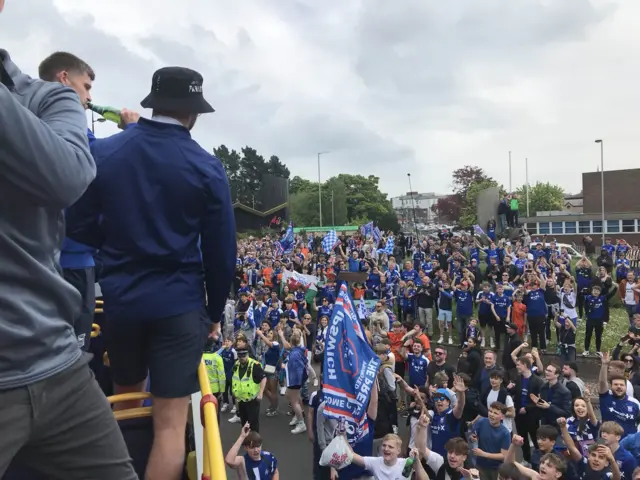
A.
pixel 621 211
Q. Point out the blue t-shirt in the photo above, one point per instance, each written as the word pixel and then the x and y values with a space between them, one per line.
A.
pixel 262 469
pixel 417 369
pixel 491 440
pixel 501 304
pixel 364 448
pixel 524 393
pixel 626 462
pixel 536 305
pixel 464 302
pixel 584 471
pixel 443 428
pixel 483 307
pixel 622 411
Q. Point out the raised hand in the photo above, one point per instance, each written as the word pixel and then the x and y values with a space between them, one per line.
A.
pixel 517 440
pixel 458 384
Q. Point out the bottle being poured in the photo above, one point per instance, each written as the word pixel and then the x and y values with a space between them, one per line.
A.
pixel 108 113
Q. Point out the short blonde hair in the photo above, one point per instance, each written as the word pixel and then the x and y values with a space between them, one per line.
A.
pixel 392 437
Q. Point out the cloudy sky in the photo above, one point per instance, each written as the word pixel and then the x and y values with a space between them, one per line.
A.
pixel 418 86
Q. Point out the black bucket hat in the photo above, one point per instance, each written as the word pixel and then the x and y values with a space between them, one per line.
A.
pixel 177 89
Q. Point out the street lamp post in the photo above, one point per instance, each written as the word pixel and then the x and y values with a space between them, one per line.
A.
pixel 413 207
pixel 320 188
pixel 602 185
pixel 94 120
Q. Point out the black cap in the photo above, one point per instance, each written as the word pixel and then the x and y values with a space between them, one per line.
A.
pixel 511 325
pixel 177 90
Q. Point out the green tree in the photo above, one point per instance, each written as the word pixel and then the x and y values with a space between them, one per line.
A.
pixel 246 170
pixel 303 209
pixel 542 197
pixel 334 204
pixel 460 206
pixel 276 168
pixel 298 184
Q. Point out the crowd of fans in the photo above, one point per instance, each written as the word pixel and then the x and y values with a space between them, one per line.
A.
pixel 468 414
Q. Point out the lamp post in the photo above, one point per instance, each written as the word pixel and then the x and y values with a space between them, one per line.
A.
pixel 94 120
pixel 413 207
pixel 320 187
pixel 601 142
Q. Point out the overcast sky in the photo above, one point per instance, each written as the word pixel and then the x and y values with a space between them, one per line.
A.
pixel 418 86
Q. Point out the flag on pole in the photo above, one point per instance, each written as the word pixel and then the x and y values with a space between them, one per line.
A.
pixel 388 248
pixel 367 229
pixel 350 368
pixel 363 311
pixel 287 239
pixel 377 235
pixel 329 242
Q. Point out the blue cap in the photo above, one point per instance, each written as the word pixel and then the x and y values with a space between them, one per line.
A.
pixel 445 392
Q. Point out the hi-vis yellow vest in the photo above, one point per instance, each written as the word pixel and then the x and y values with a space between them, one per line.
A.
pixel 244 389
pixel 215 371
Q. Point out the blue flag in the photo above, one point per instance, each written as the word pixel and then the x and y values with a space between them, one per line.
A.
pixel 287 239
pixel 350 368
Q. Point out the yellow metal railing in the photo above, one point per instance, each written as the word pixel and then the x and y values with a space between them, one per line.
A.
pixel 213 459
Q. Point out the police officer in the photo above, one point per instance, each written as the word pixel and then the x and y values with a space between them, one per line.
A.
pixel 247 384
pixel 215 371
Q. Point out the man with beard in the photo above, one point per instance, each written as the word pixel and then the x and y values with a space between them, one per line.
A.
pixel 615 405
pixel 451 464
pixel 571 379
pixel 51 408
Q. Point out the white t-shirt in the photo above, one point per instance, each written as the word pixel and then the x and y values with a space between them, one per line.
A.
pixel 381 471
pixel 629 294
pixel 493 397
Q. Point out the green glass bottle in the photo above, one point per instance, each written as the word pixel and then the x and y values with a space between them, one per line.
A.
pixel 408 467
pixel 109 113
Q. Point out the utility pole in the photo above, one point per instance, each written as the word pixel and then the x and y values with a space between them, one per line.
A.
pixel 320 188
pixel 333 213
pixel 510 172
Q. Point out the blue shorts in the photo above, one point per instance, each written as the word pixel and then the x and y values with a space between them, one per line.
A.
pixel 168 350
pixel 445 316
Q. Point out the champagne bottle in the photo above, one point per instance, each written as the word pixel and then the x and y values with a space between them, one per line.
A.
pixel 109 113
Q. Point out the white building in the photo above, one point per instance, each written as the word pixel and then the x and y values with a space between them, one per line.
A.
pixel 423 204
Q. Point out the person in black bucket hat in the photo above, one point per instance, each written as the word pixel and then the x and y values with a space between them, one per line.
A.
pixel 177 91
pixel 160 211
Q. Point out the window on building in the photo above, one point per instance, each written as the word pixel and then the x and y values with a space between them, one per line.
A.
pixel 543 228
pixel 613 226
pixel 628 226
pixel 532 228
pixel 584 226
pixel 597 226
pixel 570 227
pixel 556 228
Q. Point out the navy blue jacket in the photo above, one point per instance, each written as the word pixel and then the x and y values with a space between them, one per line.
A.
pixel 160 212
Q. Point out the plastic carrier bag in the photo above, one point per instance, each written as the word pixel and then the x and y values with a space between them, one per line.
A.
pixel 338 453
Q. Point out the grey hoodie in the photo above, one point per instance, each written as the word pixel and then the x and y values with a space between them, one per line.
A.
pixel 45 166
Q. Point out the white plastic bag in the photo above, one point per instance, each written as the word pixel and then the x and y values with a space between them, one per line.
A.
pixel 338 454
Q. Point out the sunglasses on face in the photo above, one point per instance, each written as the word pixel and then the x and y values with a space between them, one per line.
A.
pixel 440 398
pixel 439 353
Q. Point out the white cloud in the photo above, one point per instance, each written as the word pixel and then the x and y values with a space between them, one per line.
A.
pixel 387 87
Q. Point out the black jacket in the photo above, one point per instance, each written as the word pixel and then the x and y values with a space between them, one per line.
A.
pixel 535 385
pixel 474 364
pixel 511 344
pixel 560 403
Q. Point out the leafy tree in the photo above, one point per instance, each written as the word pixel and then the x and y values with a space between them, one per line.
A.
pixel 448 208
pixel 246 170
pixel 334 198
pixel 298 184
pixel 276 168
pixel 460 206
pixel 542 197
pixel 303 208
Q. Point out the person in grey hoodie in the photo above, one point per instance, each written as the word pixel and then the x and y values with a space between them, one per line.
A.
pixel 53 415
